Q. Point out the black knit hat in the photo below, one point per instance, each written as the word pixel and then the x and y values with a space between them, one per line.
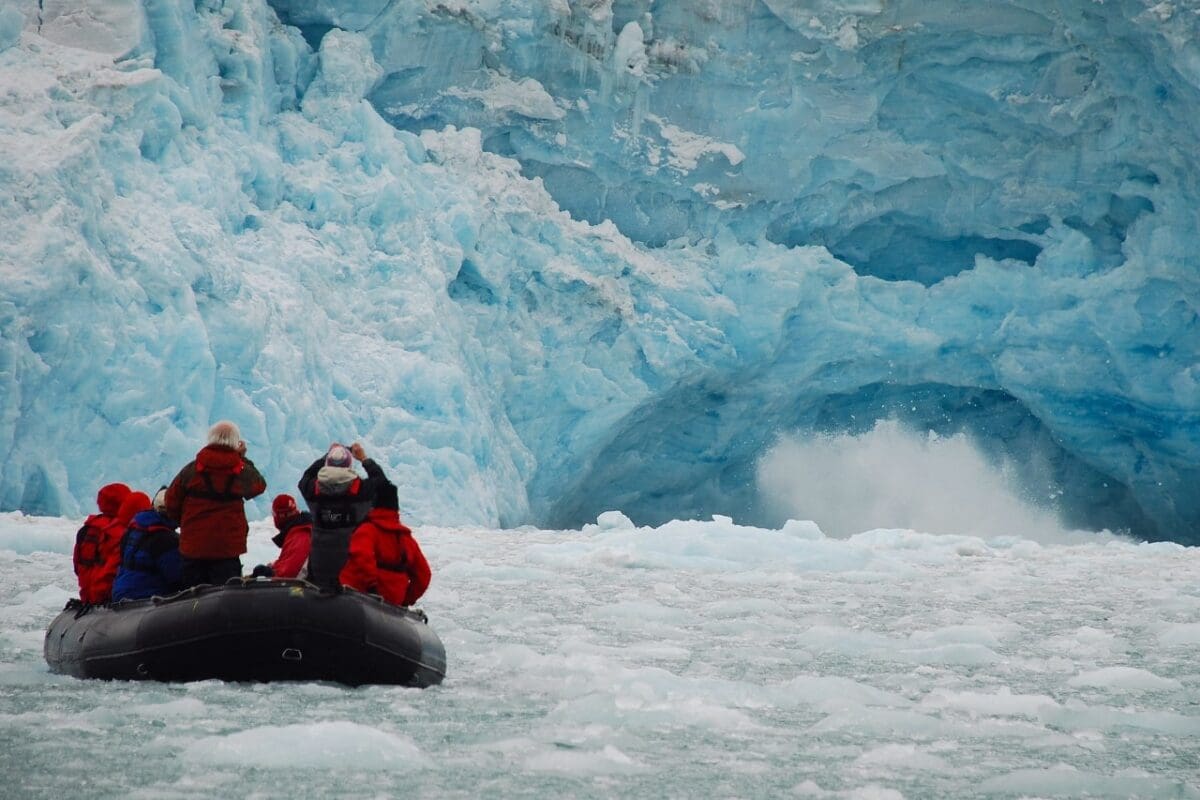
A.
pixel 387 497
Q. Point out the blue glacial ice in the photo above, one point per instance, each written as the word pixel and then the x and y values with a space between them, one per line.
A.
pixel 551 259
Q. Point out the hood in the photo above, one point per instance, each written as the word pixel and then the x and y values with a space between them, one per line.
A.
pixel 388 519
pixel 219 457
pixel 151 519
pixel 133 504
pixel 109 498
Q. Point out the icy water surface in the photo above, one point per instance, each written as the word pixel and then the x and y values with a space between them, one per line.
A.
pixel 692 660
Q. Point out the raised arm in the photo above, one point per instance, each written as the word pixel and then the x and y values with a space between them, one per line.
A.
pixel 309 479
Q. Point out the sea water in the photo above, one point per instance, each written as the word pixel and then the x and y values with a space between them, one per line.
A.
pixel 696 659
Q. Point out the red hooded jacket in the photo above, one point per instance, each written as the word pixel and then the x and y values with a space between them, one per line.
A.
pixel 89 555
pixel 294 540
pixel 208 498
pixel 96 576
pixel 386 559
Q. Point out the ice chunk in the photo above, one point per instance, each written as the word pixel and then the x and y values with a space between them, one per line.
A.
pixel 11 23
pixel 1125 679
pixel 315 745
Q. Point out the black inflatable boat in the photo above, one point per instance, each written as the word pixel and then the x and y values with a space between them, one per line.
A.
pixel 248 630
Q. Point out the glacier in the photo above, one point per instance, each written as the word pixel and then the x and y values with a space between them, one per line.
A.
pixel 548 259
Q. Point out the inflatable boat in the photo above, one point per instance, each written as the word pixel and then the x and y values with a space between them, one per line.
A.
pixel 248 630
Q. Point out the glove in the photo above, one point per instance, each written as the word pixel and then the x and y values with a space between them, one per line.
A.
pixel 262 571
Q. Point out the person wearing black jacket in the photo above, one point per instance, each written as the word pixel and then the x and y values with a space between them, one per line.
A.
pixel 338 499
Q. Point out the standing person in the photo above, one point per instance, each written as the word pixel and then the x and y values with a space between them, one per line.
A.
pixel 384 558
pixel 150 560
pixel 339 500
pixel 208 498
pixel 92 549
pixel 293 540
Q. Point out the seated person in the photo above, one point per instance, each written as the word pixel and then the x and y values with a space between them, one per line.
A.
pixel 150 560
pixel 92 549
pixel 100 579
pixel 293 540
pixel 384 557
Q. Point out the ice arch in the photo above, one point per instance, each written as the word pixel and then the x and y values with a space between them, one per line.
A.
pixel 695 451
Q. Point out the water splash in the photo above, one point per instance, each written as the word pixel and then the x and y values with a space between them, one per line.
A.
pixel 893 477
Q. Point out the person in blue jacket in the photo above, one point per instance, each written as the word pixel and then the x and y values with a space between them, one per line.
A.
pixel 150 560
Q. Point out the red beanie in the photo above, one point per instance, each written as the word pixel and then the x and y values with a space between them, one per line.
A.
pixel 283 508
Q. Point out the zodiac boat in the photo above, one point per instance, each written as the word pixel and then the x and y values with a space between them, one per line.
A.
pixel 248 630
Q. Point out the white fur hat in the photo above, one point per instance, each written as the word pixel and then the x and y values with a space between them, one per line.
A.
pixel 224 433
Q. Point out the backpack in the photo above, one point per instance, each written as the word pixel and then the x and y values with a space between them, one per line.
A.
pixel 87 542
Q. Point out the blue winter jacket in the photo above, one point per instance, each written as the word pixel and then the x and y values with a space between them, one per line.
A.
pixel 150 560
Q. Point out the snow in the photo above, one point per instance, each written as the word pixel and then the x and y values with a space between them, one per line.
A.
pixel 504 95
pixel 687 148
pixel 629 51
pixel 694 658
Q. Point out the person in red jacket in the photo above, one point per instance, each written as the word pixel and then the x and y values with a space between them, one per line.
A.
pixel 208 498
pixel 384 557
pixel 100 578
pixel 92 549
pixel 293 540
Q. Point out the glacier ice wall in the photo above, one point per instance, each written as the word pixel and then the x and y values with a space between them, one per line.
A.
pixel 547 259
